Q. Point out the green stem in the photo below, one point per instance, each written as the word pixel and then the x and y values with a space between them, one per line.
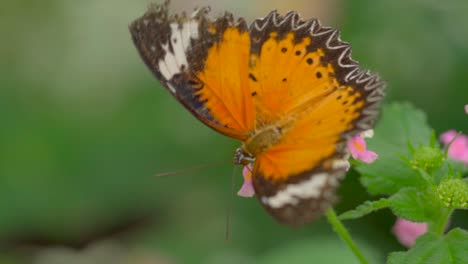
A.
pixel 343 233
pixel 441 223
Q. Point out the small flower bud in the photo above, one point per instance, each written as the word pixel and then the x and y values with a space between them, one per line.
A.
pixel 427 158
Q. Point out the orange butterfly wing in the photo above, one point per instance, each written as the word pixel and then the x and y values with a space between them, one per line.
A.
pixel 202 63
pixel 307 85
pixel 293 79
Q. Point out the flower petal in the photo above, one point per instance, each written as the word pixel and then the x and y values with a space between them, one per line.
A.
pixel 368 156
pixel 447 136
pixel 466 108
pixel 356 145
pixel 407 232
pixel 247 189
pixel 459 148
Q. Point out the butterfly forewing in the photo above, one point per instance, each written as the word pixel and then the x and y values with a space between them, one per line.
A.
pixel 201 62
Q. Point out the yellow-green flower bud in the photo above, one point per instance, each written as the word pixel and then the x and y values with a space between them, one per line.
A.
pixel 427 158
pixel 453 193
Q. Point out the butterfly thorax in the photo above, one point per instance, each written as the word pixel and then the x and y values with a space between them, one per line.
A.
pixel 260 141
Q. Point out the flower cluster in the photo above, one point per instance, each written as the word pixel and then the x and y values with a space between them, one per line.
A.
pixel 453 193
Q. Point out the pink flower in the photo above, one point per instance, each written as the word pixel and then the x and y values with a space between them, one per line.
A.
pixel 466 108
pixel 247 189
pixel 458 150
pixel 359 150
pixel 407 232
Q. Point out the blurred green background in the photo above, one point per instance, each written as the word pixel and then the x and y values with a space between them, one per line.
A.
pixel 84 126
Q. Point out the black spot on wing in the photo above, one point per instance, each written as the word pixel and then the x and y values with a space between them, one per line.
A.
pixel 252 77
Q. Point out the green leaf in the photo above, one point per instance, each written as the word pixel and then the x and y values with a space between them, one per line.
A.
pixel 401 124
pixel 396 258
pixel 365 208
pixel 415 204
pixel 432 248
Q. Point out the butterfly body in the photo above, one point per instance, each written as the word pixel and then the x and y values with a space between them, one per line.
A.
pixel 286 88
pixel 264 139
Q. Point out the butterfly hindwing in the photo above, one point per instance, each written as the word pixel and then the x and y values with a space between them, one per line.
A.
pixel 201 62
pixel 325 100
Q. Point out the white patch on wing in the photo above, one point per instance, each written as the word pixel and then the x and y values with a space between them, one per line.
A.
pixel 341 164
pixel 185 33
pixel 193 25
pixel 189 31
pixel 170 61
pixel 180 38
pixel 311 188
pixel 178 45
pixel 164 71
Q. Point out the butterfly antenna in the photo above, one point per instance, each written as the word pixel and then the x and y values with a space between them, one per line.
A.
pixel 196 168
pixel 230 205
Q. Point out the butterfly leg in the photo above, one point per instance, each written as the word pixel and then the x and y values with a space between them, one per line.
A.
pixel 242 158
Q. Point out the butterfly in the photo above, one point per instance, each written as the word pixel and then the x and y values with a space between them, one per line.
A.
pixel 285 87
